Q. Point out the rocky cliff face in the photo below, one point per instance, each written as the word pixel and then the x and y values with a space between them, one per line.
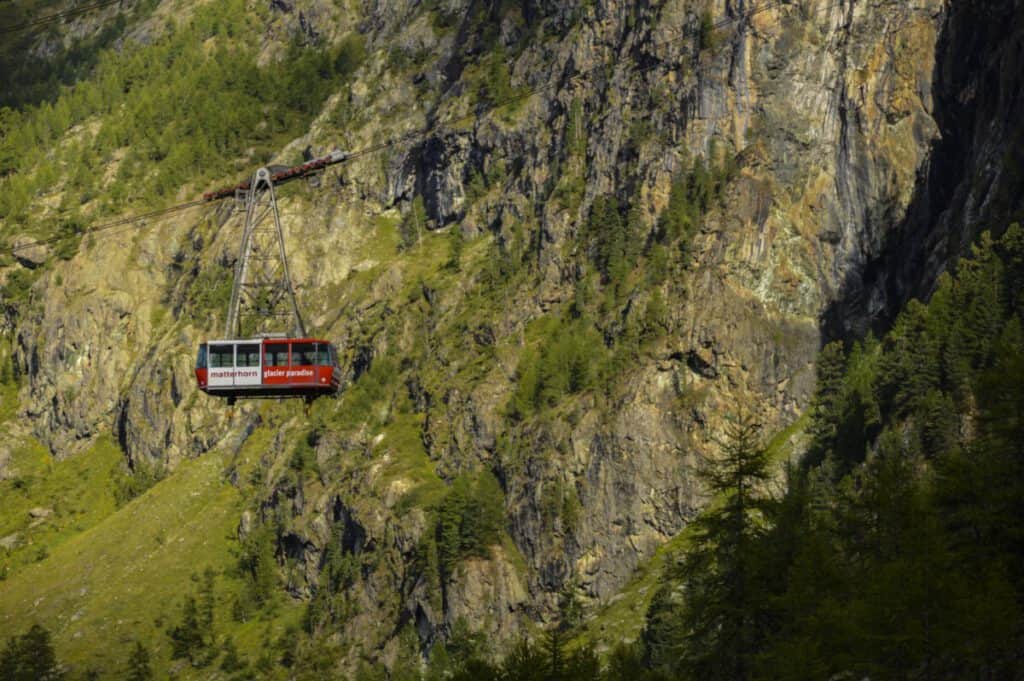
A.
pixel 846 123
pixel 972 176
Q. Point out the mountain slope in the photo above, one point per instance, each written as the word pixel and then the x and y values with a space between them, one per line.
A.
pixel 614 225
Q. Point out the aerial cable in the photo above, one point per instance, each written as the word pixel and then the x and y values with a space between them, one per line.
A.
pixel 419 135
pixel 107 226
pixel 58 16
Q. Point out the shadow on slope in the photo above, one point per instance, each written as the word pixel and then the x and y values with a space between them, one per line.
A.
pixel 974 178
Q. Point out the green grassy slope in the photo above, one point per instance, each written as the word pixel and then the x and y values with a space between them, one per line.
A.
pixel 124 578
pixel 45 502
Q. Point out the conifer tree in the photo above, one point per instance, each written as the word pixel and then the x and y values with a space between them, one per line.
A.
pixel 723 597
pixel 207 603
pixel 30 657
pixel 455 246
pixel 138 664
pixel 187 637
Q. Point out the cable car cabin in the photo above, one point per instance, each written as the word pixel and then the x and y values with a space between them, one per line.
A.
pixel 267 367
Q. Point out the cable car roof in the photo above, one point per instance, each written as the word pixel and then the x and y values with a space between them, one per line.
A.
pixel 271 339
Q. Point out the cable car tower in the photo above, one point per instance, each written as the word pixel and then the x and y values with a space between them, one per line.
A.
pixel 265 351
pixel 262 298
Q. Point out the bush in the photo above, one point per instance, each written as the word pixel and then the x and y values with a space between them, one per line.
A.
pixel 135 481
pixel 707 39
pixel 350 55
pixel 470 519
pixel 567 363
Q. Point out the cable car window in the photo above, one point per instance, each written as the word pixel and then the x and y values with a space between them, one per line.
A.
pixel 334 355
pixel 303 354
pixel 248 355
pixel 277 354
pixel 201 357
pixel 323 358
pixel 222 356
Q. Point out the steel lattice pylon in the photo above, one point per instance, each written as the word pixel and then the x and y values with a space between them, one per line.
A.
pixel 262 298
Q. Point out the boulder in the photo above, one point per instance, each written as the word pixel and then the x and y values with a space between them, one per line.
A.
pixel 29 252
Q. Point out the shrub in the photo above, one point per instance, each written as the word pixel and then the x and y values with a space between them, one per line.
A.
pixel 135 481
pixel 350 55
pixel 469 520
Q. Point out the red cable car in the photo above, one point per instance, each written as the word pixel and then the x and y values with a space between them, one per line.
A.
pixel 271 365
pixel 268 367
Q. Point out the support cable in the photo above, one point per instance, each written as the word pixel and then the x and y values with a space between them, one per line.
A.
pixel 59 16
pixel 412 137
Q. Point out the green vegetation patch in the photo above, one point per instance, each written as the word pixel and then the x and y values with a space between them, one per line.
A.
pixel 469 519
pixel 124 578
pixel 905 512
pixel 409 463
pixel 47 502
pixel 213 107
pixel 623 618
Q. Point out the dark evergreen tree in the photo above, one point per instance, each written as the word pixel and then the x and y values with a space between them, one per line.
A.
pixel 664 627
pixel 677 220
pixel 456 243
pixel 525 662
pixel 258 563
pixel 138 664
pixel 187 636
pixel 607 239
pixel 826 408
pixel 207 603
pixel 232 662
pixel 723 595
pixel 30 657
pixel 469 520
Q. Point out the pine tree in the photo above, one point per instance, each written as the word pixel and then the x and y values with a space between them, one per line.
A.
pixel 138 664
pixel 523 663
pixel 700 187
pixel 723 597
pixel 30 657
pixel 1011 251
pixel 527 393
pixel 207 602
pixel 676 221
pixel 664 627
pixel 257 561
pixel 231 662
pixel 826 407
pixel 655 316
pixel 187 637
pixel 455 246
pixel 554 646
pixel 606 240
